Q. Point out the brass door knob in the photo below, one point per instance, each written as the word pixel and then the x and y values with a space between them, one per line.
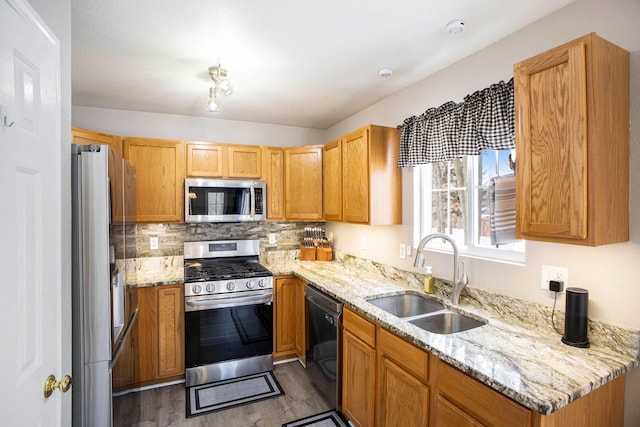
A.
pixel 51 384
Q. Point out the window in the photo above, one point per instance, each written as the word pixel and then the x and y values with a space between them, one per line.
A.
pixel 452 198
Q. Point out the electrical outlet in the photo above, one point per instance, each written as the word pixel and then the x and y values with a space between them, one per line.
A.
pixel 272 238
pixel 560 274
pixel 403 251
pixel 363 243
pixel 153 243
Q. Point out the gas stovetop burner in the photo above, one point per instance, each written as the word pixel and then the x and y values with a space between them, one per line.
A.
pixel 201 271
pixel 224 267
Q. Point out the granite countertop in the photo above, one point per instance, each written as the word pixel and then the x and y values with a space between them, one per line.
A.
pixel 517 353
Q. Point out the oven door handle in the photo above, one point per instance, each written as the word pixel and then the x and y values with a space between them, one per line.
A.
pixel 235 301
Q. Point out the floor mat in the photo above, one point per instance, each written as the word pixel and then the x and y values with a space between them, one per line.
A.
pixel 325 419
pixel 202 399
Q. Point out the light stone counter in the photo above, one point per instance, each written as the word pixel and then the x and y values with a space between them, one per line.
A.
pixel 517 353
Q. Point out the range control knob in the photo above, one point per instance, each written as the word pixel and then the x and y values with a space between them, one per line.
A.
pixel 250 284
pixel 231 286
pixel 196 289
pixel 262 283
pixel 211 287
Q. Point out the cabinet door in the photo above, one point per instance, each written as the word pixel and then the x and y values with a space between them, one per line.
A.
pixel 355 176
pixel 87 137
pixel 286 298
pixel 572 140
pixel 147 357
pixel 204 160
pixel 358 380
pixel 274 177
pixel 332 181
pixel 449 415
pixel 403 400
pixel 552 143
pixel 124 371
pixel 170 331
pixel 160 333
pixel 303 183
pixel 245 161
pixel 159 178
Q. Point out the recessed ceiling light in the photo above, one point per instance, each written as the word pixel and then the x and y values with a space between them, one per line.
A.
pixel 385 72
pixel 455 27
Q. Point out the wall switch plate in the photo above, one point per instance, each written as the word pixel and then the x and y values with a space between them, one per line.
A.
pixel 153 243
pixel 560 274
pixel 409 249
pixel 403 251
pixel 363 243
pixel 272 238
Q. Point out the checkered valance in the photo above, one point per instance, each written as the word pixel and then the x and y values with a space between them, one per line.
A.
pixel 483 121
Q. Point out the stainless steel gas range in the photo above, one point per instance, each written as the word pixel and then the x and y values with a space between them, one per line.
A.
pixel 228 311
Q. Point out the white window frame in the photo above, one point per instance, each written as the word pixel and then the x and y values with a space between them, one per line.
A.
pixel 422 176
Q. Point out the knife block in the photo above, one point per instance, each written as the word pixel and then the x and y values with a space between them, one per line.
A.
pixel 324 254
pixel 307 253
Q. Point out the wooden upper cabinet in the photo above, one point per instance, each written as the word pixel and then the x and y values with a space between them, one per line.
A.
pixel 273 174
pixel 333 180
pixel 204 160
pixel 572 143
pixel 223 161
pixel 370 187
pixel 87 137
pixel 303 183
pixel 159 167
pixel 245 161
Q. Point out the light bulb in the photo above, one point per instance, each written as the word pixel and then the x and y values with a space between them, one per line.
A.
pixel 224 87
pixel 212 104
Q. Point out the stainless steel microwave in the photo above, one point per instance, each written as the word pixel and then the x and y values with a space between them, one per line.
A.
pixel 224 200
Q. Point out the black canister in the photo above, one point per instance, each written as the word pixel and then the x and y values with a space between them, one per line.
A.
pixel 576 318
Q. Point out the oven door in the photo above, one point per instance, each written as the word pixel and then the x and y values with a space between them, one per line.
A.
pixel 223 328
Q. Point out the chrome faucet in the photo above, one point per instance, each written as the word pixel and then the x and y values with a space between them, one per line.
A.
pixel 459 282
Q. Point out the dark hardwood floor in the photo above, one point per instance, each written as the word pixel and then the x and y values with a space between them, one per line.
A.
pixel 165 406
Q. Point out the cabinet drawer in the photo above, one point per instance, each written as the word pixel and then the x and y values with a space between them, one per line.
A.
pixel 479 401
pixel 406 355
pixel 360 327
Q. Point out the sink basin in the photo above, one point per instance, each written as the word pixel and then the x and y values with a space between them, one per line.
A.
pixel 447 322
pixel 406 305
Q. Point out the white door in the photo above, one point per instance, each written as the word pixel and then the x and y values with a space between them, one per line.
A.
pixel 35 330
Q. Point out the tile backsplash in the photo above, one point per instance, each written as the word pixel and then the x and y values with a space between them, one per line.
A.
pixel 172 236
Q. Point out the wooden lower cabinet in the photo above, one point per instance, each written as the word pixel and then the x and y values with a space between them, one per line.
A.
pixel 160 334
pixel 358 369
pixel 123 375
pixel 387 382
pixel 288 318
pixel 403 391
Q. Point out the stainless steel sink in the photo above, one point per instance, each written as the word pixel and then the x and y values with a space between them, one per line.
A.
pixel 407 304
pixel 447 322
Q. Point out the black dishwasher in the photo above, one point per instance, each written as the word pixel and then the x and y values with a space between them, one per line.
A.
pixel 324 329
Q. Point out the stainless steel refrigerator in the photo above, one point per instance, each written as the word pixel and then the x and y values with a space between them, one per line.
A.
pixel 103 206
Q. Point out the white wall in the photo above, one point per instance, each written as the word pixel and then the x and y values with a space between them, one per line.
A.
pixel 611 273
pixel 154 125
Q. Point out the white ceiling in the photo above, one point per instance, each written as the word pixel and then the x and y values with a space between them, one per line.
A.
pixel 292 62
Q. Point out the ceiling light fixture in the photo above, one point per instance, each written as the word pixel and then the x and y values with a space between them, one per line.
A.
pixel 455 27
pixel 221 86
